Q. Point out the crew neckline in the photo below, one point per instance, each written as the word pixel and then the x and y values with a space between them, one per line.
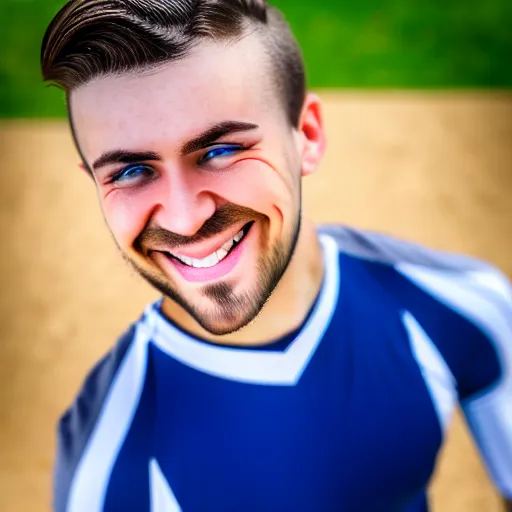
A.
pixel 280 362
pixel 279 344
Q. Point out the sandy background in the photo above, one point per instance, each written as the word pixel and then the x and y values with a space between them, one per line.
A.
pixel 433 168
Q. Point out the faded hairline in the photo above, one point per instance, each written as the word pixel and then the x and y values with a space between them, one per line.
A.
pixel 154 68
pixel 90 38
pixel 151 69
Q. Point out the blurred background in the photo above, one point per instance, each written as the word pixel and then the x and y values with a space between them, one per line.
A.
pixel 418 110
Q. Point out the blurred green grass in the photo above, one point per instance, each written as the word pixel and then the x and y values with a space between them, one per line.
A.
pixel 347 44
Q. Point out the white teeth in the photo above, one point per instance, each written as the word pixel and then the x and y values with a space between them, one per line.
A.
pixel 213 258
pixel 227 246
pixel 222 253
pixel 186 260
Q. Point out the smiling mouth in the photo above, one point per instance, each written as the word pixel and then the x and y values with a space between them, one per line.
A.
pixel 217 256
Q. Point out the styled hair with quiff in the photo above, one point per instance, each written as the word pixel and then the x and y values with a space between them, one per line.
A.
pixel 91 38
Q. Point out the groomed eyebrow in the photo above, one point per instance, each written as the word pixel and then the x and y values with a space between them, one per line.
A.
pixel 215 132
pixel 205 139
pixel 119 156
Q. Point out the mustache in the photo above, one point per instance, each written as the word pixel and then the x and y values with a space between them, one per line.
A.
pixel 224 217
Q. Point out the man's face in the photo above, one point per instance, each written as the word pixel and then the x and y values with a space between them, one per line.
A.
pixel 198 175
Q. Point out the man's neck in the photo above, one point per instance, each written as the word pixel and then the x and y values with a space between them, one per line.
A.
pixel 287 307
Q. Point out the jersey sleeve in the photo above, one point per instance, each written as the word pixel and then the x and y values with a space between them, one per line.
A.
pixel 464 307
pixel 77 423
pixel 479 355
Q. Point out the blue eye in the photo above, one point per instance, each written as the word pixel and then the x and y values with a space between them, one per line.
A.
pixel 219 151
pixel 132 173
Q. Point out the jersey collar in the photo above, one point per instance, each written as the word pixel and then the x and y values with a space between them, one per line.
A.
pixel 253 366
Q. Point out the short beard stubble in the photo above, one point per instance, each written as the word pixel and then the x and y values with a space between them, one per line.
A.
pixel 232 311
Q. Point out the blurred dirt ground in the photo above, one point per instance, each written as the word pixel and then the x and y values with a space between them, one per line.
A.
pixel 433 168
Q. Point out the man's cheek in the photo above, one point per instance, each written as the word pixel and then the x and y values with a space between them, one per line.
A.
pixel 126 218
pixel 255 184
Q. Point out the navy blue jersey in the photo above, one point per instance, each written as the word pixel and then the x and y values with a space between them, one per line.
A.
pixel 346 413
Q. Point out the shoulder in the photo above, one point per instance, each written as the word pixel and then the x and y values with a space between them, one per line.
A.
pixel 448 277
pixel 462 305
pixel 461 283
pixel 376 247
pixel 77 423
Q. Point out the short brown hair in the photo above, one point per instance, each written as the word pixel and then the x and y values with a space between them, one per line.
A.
pixel 90 38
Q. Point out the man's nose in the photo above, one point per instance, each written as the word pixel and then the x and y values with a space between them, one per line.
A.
pixel 184 205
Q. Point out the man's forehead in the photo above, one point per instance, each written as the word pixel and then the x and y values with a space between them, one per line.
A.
pixel 215 81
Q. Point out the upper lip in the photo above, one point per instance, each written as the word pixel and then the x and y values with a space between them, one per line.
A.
pixel 203 249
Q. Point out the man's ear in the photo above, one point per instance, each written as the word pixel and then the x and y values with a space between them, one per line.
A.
pixel 311 130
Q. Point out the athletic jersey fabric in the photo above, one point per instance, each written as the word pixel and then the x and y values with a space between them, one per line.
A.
pixel 347 413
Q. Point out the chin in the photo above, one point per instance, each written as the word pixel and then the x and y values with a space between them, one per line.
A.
pixel 228 304
pixel 216 307
pixel 231 316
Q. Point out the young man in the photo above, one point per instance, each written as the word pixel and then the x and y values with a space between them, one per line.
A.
pixel 287 367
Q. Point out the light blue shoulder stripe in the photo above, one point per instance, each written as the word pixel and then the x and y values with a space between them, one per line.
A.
pixel 484 297
pixel 383 248
pixel 91 480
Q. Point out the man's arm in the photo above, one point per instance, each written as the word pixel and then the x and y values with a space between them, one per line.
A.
pixel 76 425
pixel 474 336
pixel 489 411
